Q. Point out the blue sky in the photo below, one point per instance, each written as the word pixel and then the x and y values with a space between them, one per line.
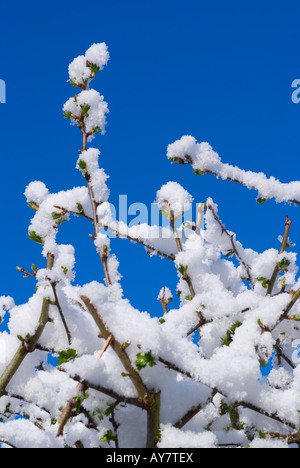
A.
pixel 220 71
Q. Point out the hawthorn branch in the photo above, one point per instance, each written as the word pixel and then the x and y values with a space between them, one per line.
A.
pixel 164 302
pixel 185 277
pixel 191 413
pixel 188 162
pixel 150 401
pixel 75 213
pixel 280 355
pixel 103 256
pixel 138 241
pixel 106 391
pixel 288 308
pixel 117 233
pixel 23 400
pixel 2 441
pixel 200 324
pixel 284 246
pixel 259 410
pixel 188 416
pixel 115 425
pixel 234 248
pixel 173 224
pixel 164 306
pixel 29 344
pixel 67 412
pixel 153 420
pixel 244 404
pixel 57 303
pixel 106 345
pixel 118 349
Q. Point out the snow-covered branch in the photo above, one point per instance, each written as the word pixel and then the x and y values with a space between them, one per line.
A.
pixel 218 368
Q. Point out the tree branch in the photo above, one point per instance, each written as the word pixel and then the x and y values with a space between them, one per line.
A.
pixel 103 256
pixel 151 401
pixel 223 176
pixel 185 277
pixel 119 234
pixel 274 416
pixel 288 308
pixel 67 412
pixel 245 404
pixel 191 413
pixel 57 303
pixel 234 249
pixel 284 246
pixel 106 391
pixel 118 349
pixel 29 344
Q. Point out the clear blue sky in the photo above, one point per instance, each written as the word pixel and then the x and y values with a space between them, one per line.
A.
pixel 220 71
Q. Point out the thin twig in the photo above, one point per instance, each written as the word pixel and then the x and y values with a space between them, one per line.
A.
pixel 106 391
pixel 119 234
pixel 245 404
pixel 280 355
pixel 106 345
pixel 119 350
pixel 103 256
pixel 284 246
pixel 164 302
pixel 67 412
pixel 57 303
pixel 115 425
pixel 234 248
pixel 274 416
pixel 185 277
pixel 191 413
pixel 288 308
pixel 201 322
pixel 28 345
pixel 173 224
pixel 164 306
pixel 189 162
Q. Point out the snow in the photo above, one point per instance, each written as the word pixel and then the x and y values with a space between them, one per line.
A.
pixel 80 69
pixel 178 199
pixel 174 438
pixel 79 72
pixel 204 159
pixel 165 295
pixel 23 434
pixel 96 109
pixel 6 303
pixel 98 177
pixel 36 192
pixel 98 54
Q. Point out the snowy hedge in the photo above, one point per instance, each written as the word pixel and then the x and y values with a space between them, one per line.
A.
pixel 192 378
